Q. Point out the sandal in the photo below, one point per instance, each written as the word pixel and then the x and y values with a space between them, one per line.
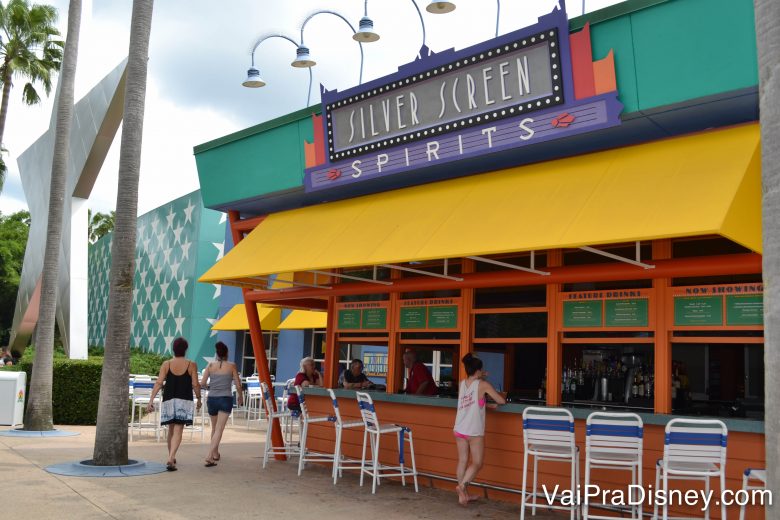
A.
pixel 170 467
pixel 210 463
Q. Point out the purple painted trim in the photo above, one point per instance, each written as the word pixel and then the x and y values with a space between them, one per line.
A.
pixel 593 114
pixel 556 19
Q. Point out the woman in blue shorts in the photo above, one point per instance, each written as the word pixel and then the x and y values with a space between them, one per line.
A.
pixel 220 375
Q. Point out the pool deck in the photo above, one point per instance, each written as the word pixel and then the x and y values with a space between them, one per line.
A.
pixel 237 486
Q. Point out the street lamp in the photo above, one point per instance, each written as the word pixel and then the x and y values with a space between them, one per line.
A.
pixel 366 31
pixel 303 58
pixel 253 78
pixel 440 7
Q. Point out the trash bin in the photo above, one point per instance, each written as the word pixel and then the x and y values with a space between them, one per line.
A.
pixel 12 386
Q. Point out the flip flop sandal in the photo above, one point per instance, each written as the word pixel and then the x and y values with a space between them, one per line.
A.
pixel 171 467
pixel 210 464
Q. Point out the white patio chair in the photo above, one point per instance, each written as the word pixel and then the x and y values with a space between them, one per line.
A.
pixel 306 420
pixel 755 475
pixel 253 400
pixel 694 449
pixel 613 441
pixel 142 391
pixel 273 415
pixel 340 463
pixel 373 432
pixel 548 435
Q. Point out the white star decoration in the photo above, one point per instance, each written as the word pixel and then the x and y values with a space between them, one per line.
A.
pixel 188 211
pixel 220 249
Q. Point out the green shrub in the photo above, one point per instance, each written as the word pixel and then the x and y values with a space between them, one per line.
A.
pixel 76 385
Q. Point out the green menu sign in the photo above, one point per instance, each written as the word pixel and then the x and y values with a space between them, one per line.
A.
pixel 698 310
pixel 413 317
pixel 375 318
pixel 582 313
pixel 349 319
pixel 443 317
pixel 626 313
pixel 745 309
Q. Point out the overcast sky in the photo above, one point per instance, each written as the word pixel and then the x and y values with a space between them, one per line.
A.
pixel 199 53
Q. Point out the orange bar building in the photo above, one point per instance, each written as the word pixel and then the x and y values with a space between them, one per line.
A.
pixel 578 203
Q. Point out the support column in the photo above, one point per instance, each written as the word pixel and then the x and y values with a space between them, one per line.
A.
pixel 76 336
pixel 256 335
pixel 331 347
pixel 662 250
pixel 395 365
pixel 467 321
pixel 554 345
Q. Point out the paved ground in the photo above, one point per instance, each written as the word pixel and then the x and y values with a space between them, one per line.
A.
pixel 236 487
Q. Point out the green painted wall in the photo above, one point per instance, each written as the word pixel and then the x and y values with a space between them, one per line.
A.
pixel 177 242
pixel 666 52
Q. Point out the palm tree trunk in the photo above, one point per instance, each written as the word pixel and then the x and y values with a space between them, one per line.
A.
pixel 767 14
pixel 7 76
pixel 111 435
pixel 38 416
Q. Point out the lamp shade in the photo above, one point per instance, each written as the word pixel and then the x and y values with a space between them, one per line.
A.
pixel 365 32
pixel 253 79
pixel 440 7
pixel 303 59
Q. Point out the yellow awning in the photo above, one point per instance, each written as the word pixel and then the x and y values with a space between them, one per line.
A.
pixel 702 184
pixel 235 318
pixel 298 320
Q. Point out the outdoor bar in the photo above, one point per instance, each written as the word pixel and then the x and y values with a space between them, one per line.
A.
pixel 577 203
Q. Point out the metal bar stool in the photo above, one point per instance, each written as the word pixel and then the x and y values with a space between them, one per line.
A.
pixel 614 441
pixel 269 449
pixel 548 435
pixel 306 420
pixel 374 431
pixel 254 398
pixel 339 461
pixel 747 476
pixel 694 449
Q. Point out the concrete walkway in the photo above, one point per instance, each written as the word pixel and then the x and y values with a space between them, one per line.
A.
pixel 236 487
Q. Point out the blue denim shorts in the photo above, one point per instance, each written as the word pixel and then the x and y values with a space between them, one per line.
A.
pixel 219 404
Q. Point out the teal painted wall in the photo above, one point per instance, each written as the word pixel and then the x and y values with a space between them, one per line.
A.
pixel 666 52
pixel 177 242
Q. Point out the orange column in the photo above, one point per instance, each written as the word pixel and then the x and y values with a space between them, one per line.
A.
pixel 554 345
pixel 256 335
pixel 331 347
pixel 395 365
pixel 662 250
pixel 466 321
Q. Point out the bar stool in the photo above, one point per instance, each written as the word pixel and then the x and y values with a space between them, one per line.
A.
pixel 306 420
pixel 694 449
pixel 548 435
pixel 374 431
pixel 254 397
pixel 747 476
pixel 142 391
pixel 614 441
pixel 339 462
pixel 271 414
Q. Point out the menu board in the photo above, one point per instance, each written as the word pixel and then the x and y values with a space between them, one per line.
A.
pixel 443 317
pixel 745 309
pixel 626 313
pixel 582 313
pixel 349 319
pixel 375 318
pixel 698 310
pixel 413 317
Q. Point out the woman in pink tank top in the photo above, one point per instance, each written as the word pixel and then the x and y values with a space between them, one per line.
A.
pixel 469 427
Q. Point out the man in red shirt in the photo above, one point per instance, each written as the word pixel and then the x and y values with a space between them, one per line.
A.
pixel 420 381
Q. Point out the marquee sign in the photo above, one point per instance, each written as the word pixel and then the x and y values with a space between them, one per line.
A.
pixel 514 91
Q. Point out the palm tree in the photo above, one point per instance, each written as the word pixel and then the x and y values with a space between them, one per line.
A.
pixel 38 415
pixel 111 434
pixel 767 14
pixel 28 50
pixel 100 224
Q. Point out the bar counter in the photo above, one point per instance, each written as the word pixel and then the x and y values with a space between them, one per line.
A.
pixel 431 420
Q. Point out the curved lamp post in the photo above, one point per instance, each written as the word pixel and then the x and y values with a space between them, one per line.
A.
pixel 366 31
pixel 253 78
pixel 304 59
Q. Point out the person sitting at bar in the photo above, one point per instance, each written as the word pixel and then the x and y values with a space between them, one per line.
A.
pixel 420 381
pixel 308 376
pixel 353 378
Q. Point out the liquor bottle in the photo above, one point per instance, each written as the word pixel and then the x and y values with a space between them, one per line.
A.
pixel 641 383
pixel 635 386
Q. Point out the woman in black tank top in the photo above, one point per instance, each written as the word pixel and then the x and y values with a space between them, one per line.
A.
pixel 181 379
